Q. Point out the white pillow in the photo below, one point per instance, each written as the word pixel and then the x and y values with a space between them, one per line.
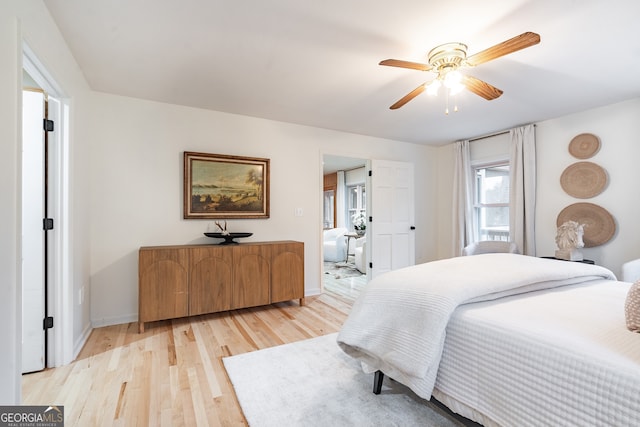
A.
pixel 632 308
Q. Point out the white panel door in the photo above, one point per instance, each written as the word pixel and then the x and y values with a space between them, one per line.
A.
pixel 33 270
pixel 392 212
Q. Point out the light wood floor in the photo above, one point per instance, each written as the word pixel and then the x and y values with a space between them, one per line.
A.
pixel 172 374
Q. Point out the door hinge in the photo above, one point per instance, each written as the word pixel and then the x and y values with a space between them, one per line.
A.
pixel 47 223
pixel 370 219
pixel 48 323
pixel 370 174
pixel 370 265
pixel 47 125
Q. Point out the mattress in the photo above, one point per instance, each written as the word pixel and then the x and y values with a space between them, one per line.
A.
pixel 557 357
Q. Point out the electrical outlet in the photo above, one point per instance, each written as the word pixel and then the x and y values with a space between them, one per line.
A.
pixel 299 212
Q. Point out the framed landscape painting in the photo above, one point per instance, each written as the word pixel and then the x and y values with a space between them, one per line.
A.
pixel 225 187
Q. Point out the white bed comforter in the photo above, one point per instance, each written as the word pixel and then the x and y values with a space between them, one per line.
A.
pixel 398 323
pixel 565 351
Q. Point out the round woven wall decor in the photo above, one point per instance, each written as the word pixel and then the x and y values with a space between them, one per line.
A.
pixel 584 146
pixel 583 180
pixel 599 225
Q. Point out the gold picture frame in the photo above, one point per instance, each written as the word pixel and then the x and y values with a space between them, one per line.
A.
pixel 225 187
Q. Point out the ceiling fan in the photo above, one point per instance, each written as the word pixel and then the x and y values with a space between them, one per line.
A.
pixel 446 59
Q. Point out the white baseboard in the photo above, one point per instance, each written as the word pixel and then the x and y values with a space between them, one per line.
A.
pixel 312 292
pixel 118 320
pixel 110 321
pixel 81 341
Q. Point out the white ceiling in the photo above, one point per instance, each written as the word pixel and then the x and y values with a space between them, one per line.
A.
pixel 331 164
pixel 316 62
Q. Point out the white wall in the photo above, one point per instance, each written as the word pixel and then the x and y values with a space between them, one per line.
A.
pixel 10 300
pixel 618 128
pixel 30 21
pixel 136 187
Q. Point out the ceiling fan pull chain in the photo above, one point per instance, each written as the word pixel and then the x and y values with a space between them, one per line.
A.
pixel 446 91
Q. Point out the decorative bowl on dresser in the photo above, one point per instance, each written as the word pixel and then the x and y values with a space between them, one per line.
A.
pixel 228 237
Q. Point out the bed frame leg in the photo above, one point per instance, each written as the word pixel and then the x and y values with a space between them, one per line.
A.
pixel 378 377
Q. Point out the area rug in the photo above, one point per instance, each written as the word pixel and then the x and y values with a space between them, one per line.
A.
pixel 340 272
pixel 314 383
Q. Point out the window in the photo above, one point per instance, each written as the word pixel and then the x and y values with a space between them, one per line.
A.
pixel 491 204
pixel 357 202
pixel 329 204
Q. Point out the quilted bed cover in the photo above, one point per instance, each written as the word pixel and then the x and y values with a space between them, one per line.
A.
pixel 397 325
pixel 556 357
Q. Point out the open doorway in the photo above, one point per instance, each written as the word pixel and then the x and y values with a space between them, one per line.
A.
pixel 344 264
pixel 57 299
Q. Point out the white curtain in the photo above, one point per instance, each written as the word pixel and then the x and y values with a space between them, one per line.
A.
pixel 463 225
pixel 341 199
pixel 522 196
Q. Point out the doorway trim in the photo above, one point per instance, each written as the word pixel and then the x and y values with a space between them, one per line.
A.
pixel 60 298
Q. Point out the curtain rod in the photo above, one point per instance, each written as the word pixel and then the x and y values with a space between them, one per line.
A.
pixel 491 135
pixel 488 136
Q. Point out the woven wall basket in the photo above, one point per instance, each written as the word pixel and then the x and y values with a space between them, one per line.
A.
pixel 599 224
pixel 584 180
pixel 584 146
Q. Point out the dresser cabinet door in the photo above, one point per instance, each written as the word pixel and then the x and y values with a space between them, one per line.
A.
pixel 211 279
pixel 287 271
pixel 163 284
pixel 251 275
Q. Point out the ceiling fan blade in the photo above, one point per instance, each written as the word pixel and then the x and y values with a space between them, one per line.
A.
pixel 408 97
pixel 515 44
pixel 406 64
pixel 481 88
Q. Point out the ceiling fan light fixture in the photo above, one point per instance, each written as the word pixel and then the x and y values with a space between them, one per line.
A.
pixel 446 59
pixel 453 82
pixel 433 87
pixel 448 55
pixel 452 79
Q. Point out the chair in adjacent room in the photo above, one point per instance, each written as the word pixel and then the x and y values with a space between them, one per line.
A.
pixel 334 245
pixel 490 246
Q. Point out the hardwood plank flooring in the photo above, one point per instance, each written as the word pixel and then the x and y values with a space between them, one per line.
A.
pixel 172 374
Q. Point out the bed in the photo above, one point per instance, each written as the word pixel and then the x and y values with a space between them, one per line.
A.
pixel 503 339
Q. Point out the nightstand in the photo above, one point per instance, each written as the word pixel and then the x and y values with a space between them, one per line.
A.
pixel 585 261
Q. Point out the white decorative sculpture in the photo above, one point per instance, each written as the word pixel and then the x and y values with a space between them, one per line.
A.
pixel 569 239
pixel 223 230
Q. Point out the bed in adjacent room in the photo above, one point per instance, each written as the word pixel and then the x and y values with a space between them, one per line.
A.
pixel 504 339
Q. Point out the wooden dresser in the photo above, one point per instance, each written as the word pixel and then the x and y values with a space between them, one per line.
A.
pixel 180 281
